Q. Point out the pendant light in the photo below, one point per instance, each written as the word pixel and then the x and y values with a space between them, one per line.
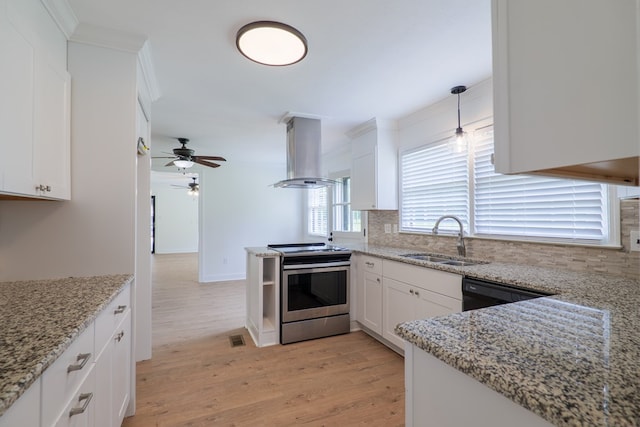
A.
pixel 459 140
pixel 271 43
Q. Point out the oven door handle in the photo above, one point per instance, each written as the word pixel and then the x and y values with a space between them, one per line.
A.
pixel 317 265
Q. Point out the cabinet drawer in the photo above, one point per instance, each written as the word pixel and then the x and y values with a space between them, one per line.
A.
pixel 110 318
pixel 79 411
pixel 371 265
pixel 61 380
pixel 26 410
pixel 441 282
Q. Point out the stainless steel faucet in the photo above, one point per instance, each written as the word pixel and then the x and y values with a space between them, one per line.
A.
pixel 462 251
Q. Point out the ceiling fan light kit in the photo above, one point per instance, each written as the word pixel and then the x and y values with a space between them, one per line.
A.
pixel 271 43
pixel 184 158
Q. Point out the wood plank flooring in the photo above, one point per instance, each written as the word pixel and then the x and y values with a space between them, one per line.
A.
pixel 196 378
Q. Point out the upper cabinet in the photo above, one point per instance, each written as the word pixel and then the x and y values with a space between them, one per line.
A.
pixel 34 103
pixel 566 88
pixel 374 173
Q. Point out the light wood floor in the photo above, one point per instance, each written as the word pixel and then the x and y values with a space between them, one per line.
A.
pixel 196 378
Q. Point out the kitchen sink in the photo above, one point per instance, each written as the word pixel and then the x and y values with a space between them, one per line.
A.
pixel 426 257
pixel 442 260
pixel 461 263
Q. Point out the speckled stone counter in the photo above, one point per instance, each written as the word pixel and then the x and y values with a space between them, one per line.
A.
pixel 40 319
pixel 573 358
pixel 262 251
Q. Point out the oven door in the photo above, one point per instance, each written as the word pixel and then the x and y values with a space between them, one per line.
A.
pixel 314 290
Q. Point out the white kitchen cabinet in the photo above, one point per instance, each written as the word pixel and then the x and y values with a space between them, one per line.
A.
pixel 369 293
pixel 434 391
pixel 26 410
pixel 374 177
pixel 113 362
pixel 411 293
pixel 566 88
pixel 34 105
pixel 263 298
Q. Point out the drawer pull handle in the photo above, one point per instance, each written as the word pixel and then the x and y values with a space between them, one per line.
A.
pixel 120 309
pixel 87 399
pixel 119 336
pixel 369 264
pixel 84 358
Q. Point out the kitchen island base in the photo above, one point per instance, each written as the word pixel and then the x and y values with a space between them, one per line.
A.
pixel 440 395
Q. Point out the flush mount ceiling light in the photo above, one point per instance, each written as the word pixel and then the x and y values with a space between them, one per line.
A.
pixel 460 138
pixel 271 43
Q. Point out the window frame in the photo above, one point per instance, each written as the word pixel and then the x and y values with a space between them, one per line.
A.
pixel 612 227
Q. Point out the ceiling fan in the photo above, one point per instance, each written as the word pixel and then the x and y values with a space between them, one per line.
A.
pixel 185 157
pixel 193 187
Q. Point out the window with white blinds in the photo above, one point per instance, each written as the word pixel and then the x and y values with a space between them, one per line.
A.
pixel 434 182
pixel 534 206
pixel 317 212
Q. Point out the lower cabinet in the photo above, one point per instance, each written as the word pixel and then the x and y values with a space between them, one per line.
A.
pixel 391 292
pixel 369 289
pixel 90 383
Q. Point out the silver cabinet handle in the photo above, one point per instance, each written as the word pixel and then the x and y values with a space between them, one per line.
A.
pixel 83 358
pixel 120 309
pixel 119 336
pixel 369 264
pixel 43 188
pixel 87 399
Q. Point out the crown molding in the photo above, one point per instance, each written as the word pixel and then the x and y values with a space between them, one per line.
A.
pixel 149 79
pixel 108 38
pixel 371 124
pixel 63 15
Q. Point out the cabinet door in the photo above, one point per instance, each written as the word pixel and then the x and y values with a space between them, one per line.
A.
pixel 103 402
pixel 372 302
pixel 363 182
pixel 431 304
pixel 16 102
pixel 26 410
pixel 51 130
pixel 398 306
pixel 565 82
pixel 121 369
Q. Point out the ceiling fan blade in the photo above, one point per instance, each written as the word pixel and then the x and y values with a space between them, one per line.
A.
pixel 221 159
pixel 205 163
pixel 172 157
pixel 170 163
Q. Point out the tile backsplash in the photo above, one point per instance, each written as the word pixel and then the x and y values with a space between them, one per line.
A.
pixel 620 262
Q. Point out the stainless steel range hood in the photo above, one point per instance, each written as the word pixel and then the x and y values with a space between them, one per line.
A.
pixel 303 155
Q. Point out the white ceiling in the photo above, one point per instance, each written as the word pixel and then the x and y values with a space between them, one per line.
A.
pixel 367 58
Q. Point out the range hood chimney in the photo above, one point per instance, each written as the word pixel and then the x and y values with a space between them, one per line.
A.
pixel 303 155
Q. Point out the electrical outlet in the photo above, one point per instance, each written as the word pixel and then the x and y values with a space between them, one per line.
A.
pixel 395 228
pixel 635 241
pixel 387 228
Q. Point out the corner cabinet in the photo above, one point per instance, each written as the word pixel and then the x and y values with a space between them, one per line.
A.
pixel 263 297
pixel 391 292
pixel 34 103
pixel 411 293
pixel 566 88
pixel 374 176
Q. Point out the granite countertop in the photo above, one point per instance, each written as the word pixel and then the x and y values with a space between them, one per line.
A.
pixel 572 358
pixel 262 251
pixel 40 319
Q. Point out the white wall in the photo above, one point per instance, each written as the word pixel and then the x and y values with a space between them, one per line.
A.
pixel 440 120
pixel 94 233
pixel 176 215
pixel 239 209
